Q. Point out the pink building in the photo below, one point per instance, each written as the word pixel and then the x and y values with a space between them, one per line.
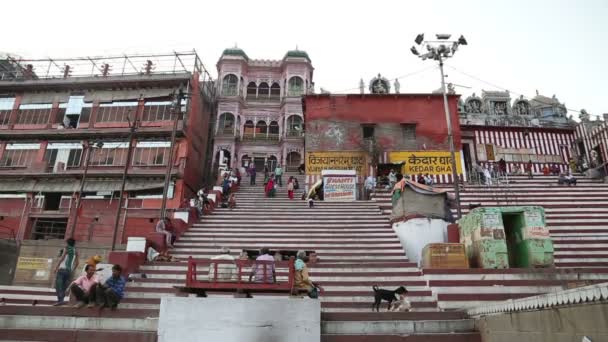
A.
pixel 259 109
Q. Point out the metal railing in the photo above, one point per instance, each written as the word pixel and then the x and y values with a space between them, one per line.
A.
pixel 5 116
pixel 157 113
pixel 39 116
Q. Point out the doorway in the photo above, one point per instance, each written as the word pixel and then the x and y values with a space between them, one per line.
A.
pixel 514 224
pixel 52 201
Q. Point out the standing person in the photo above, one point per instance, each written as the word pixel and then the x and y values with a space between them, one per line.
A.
pixel 529 169
pixel 66 265
pixel 232 202
pixel 487 175
pixel 296 184
pixel 109 294
pixel 226 186
pixel 269 190
pixel 398 188
pixel 278 174
pixel 502 167
pixel 161 227
pixel 266 171
pixel 252 174
pixel 264 272
pixel 369 185
pixel 290 188
pixel 82 286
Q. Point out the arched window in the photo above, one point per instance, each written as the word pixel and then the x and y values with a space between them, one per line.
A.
pixel 230 85
pixel 295 126
pixel 296 86
pixel 252 90
pixel 294 159
pixel 248 129
pixel 260 127
pixel 275 90
pixel 226 124
pixel 273 129
pixel 263 90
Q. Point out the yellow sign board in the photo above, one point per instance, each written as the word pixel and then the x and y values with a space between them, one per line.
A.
pixel 319 161
pixel 24 263
pixel 423 162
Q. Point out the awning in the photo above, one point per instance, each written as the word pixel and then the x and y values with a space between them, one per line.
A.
pixel 74 186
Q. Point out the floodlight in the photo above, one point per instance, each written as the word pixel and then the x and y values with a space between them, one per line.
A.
pixel 414 51
pixel 443 36
pixel 419 38
pixel 462 41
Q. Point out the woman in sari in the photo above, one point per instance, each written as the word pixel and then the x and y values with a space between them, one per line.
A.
pixel 398 188
pixel 269 189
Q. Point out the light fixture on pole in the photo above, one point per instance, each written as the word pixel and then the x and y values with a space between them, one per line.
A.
pixel 88 150
pixel 439 50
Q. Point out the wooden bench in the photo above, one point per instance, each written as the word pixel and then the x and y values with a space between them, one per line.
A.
pixel 239 282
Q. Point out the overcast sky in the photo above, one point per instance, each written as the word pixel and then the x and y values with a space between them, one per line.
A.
pixel 556 47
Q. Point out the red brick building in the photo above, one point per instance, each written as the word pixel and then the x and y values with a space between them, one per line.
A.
pixel 55 113
pixel 365 131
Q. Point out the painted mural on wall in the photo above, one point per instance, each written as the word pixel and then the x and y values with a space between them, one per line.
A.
pixel 319 161
pixel 431 162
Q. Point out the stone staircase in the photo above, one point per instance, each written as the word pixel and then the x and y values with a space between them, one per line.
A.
pixel 356 249
pixel 578 220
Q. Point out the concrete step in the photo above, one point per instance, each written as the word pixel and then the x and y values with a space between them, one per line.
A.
pixel 68 335
pixel 397 327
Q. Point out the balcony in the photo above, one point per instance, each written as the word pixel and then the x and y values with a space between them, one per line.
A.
pixel 259 137
pixel 263 98
pixel 294 134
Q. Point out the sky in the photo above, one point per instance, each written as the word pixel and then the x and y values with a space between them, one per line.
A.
pixel 556 47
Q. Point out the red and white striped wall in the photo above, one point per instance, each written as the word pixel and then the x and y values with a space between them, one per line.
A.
pixel 544 141
pixel 593 137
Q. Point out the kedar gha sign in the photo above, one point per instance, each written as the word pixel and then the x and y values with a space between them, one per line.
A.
pixel 423 162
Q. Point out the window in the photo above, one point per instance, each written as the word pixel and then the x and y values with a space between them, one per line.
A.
pixel 547 112
pixel 226 124
pixel 409 131
pixel 252 90
pixel 230 85
pixel 294 125
pixel 19 155
pixel 116 111
pixel 296 86
pixel 273 128
pixel 73 112
pixel 275 90
pixel 157 111
pixel 112 154
pixel 34 114
pixel 6 106
pixel 368 131
pixel 263 90
pixel 68 153
pixel 151 153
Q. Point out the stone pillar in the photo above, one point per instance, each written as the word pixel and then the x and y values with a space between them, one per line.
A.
pixel 267 126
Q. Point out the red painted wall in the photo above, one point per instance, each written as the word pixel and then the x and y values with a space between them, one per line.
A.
pixel 388 112
pixel 11 210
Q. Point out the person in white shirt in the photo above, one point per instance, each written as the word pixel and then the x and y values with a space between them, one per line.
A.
pixel 226 271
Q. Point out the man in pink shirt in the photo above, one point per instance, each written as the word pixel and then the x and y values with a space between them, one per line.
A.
pixel 83 288
pixel 263 271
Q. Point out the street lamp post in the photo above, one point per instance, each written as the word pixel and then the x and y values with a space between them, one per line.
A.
pixel 439 50
pixel 89 151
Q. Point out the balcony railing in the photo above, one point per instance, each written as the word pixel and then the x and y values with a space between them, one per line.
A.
pixel 294 134
pixel 38 116
pixel 226 132
pixel 4 116
pixel 260 137
pixel 264 98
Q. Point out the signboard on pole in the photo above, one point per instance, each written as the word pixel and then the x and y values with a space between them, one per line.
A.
pixel 339 185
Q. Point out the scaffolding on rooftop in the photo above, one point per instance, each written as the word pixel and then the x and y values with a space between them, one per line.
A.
pixel 15 68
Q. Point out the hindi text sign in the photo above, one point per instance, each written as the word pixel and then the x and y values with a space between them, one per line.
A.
pixel 423 162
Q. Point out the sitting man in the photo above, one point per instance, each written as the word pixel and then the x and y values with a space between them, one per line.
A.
pixel 302 280
pixel 264 272
pixel 109 294
pixel 83 288
pixel 225 271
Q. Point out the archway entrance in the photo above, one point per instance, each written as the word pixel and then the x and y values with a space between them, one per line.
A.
pixel 294 159
pixel 222 159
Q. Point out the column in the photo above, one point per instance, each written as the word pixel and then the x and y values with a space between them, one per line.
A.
pixel 234 125
pixel 255 125
pixel 267 126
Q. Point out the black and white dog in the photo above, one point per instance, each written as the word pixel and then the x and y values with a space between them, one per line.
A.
pixel 387 295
